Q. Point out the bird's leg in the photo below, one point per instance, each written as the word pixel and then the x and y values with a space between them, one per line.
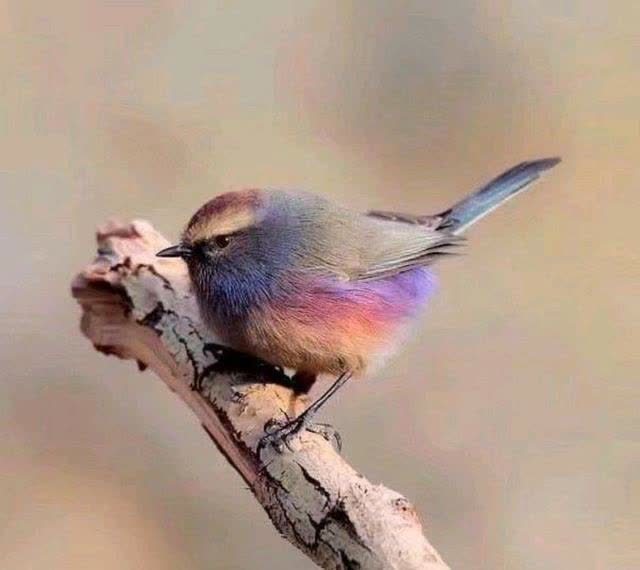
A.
pixel 230 360
pixel 302 384
pixel 283 434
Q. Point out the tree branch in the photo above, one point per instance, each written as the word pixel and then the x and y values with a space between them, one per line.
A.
pixel 137 306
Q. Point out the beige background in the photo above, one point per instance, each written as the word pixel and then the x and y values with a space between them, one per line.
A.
pixel 511 420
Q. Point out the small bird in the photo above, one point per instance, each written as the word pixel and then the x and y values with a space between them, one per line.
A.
pixel 297 281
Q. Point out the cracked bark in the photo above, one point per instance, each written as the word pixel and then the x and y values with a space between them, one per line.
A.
pixel 140 307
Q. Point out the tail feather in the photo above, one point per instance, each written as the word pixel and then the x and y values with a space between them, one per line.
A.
pixel 474 207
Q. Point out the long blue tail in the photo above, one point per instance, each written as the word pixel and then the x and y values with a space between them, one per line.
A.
pixel 474 207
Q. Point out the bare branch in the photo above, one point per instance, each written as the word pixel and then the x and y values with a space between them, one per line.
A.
pixel 140 307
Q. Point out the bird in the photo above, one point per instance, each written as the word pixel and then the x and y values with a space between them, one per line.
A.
pixel 299 282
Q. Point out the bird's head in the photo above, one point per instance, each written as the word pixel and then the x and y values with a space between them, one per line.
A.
pixel 220 232
pixel 236 244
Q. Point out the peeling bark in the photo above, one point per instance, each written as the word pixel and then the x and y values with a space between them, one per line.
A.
pixel 140 307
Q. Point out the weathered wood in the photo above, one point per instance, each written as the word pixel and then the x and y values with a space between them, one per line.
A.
pixel 140 307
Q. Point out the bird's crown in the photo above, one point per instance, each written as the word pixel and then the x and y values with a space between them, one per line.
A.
pixel 224 214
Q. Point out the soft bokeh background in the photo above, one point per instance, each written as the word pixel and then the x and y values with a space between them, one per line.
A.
pixel 511 420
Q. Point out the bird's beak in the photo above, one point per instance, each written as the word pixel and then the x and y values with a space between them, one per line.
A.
pixel 180 250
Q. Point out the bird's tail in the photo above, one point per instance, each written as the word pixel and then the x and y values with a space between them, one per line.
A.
pixel 474 207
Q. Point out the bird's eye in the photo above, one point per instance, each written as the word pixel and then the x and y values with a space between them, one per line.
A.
pixel 222 241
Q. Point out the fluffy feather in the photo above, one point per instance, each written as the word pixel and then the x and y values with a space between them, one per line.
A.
pixel 304 283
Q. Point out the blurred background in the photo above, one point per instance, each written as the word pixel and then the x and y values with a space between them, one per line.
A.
pixel 510 420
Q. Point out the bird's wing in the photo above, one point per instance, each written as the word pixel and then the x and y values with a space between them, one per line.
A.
pixel 394 245
pixel 339 243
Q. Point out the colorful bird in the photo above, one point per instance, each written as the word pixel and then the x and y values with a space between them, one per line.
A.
pixel 300 282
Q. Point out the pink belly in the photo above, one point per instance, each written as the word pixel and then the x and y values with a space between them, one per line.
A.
pixel 330 327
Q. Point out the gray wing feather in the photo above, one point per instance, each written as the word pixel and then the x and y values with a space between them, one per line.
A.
pixel 393 247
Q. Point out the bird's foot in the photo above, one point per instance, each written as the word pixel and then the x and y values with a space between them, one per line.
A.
pixel 230 360
pixel 280 435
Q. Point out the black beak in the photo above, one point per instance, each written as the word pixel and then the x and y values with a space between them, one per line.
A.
pixel 180 250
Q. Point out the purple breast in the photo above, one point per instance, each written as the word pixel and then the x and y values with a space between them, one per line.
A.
pixel 367 308
pixel 399 296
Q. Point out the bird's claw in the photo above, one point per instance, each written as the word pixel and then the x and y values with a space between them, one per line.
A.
pixel 281 434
